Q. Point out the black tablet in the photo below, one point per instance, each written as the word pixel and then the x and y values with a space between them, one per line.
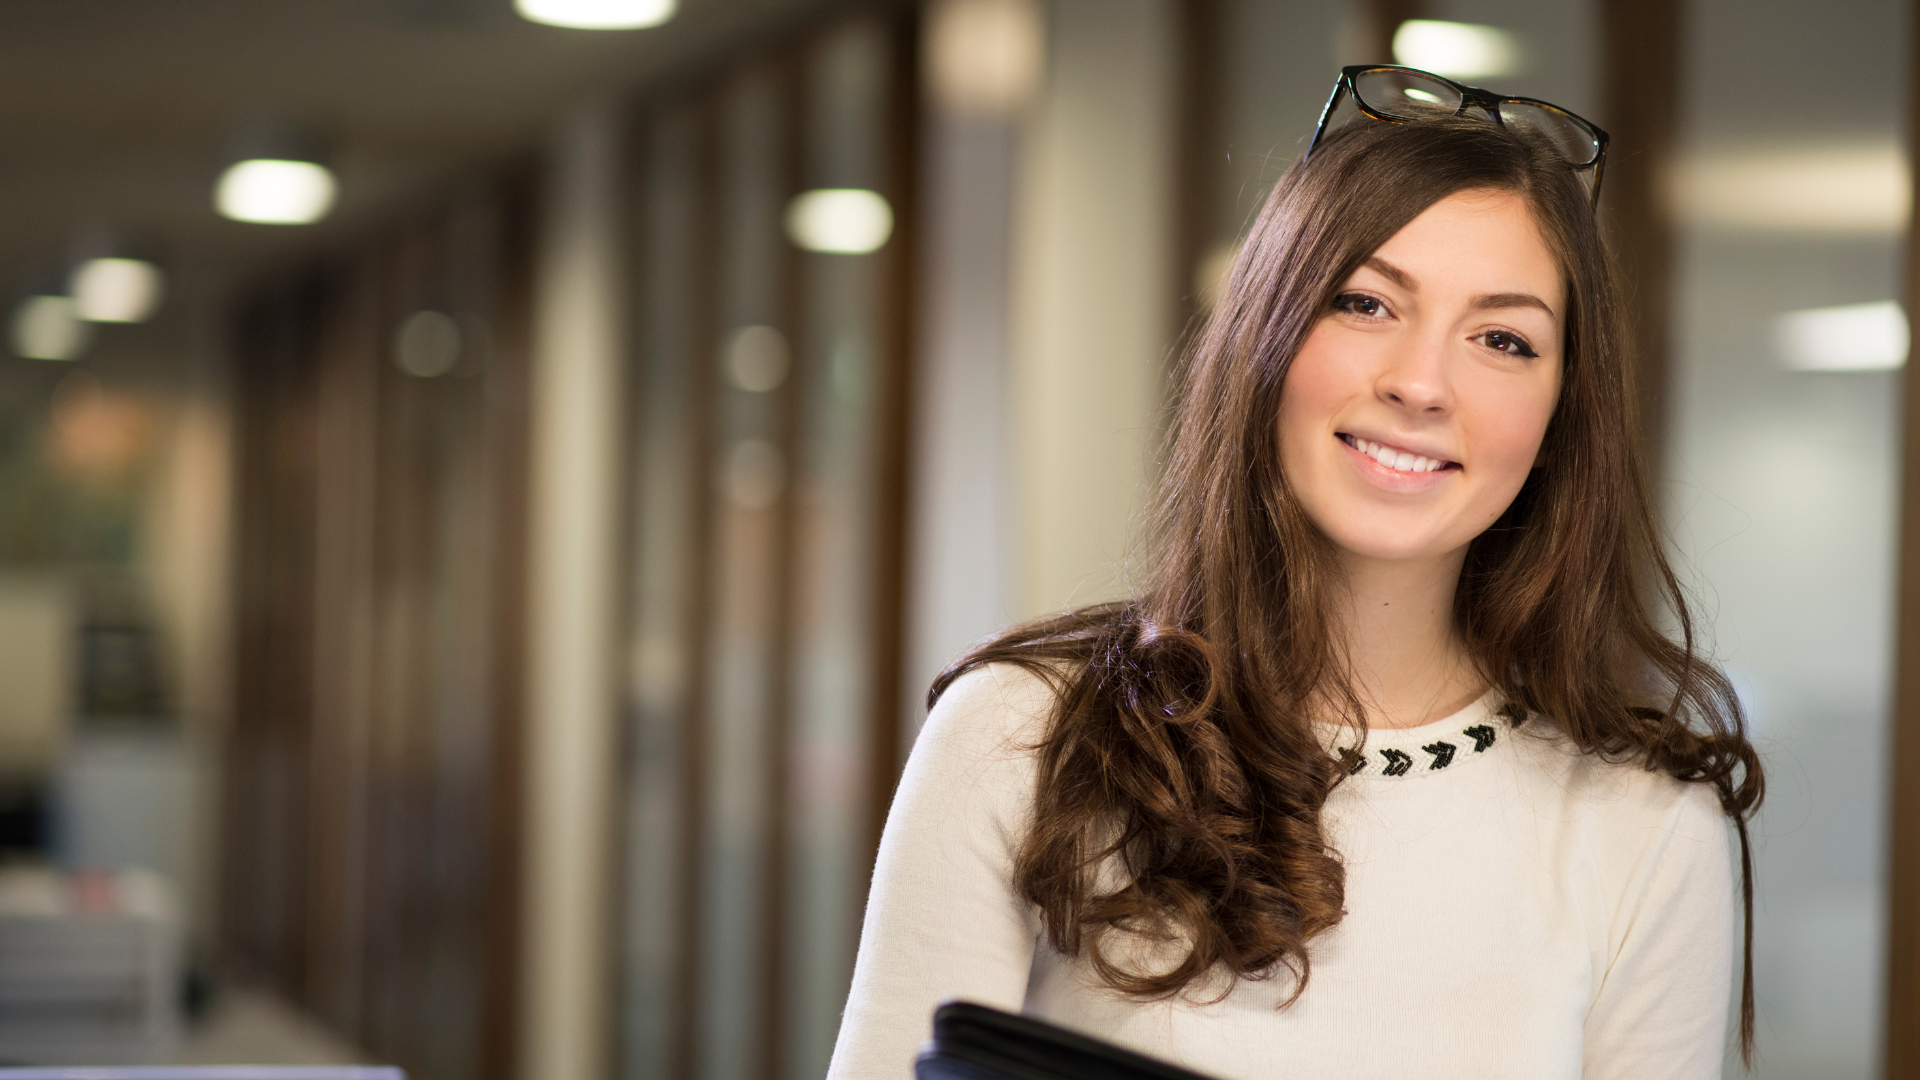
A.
pixel 973 1042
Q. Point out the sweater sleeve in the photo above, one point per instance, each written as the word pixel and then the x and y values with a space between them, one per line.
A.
pixel 942 920
pixel 1661 1010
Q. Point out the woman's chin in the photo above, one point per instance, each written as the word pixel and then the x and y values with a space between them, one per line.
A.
pixel 1393 545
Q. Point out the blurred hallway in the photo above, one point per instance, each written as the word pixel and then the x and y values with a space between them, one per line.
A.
pixel 468 598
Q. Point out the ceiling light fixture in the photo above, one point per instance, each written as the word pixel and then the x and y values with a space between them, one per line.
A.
pixel 49 328
pixel 597 14
pixel 840 221
pixel 267 191
pixel 117 290
pixel 427 344
pixel 758 359
pixel 984 57
pixel 1456 49
pixel 1862 188
pixel 276 174
pixel 1851 337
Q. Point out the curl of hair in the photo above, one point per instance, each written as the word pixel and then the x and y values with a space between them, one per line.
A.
pixel 1181 750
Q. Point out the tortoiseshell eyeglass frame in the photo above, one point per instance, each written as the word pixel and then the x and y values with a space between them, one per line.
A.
pixel 1471 97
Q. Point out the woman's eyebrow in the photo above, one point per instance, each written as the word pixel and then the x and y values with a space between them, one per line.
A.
pixel 1488 302
pixel 1510 300
pixel 1391 272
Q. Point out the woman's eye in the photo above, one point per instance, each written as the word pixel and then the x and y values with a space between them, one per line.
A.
pixel 1509 343
pixel 1367 307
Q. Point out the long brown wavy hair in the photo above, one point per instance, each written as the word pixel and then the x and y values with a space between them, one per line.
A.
pixel 1181 749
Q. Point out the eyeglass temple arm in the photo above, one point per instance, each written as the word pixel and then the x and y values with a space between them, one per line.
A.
pixel 1326 114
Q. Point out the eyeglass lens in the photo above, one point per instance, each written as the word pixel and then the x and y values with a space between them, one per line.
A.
pixel 1405 95
pixel 1567 135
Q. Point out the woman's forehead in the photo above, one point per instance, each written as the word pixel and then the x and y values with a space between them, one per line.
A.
pixel 1473 243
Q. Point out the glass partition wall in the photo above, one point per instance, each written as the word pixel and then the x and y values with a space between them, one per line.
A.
pixel 369 869
pixel 1782 468
pixel 771 210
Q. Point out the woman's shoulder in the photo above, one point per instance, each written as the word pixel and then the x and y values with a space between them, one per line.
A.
pixel 1623 796
pixel 1658 849
pixel 976 752
pixel 994 706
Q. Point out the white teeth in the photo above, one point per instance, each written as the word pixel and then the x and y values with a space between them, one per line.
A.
pixel 1397 460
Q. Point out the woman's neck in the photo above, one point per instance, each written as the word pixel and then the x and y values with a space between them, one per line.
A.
pixel 1409 664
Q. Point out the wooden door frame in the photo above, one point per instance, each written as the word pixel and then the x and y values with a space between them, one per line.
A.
pixel 1900 1048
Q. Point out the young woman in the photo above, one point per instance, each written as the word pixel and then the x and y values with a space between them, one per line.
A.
pixel 1388 769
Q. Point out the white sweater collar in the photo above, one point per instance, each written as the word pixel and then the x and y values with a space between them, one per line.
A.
pixel 1449 743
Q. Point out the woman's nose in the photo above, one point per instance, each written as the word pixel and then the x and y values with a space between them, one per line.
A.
pixel 1416 379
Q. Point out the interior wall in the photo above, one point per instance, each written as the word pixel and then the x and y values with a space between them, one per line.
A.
pixel 371 764
pixel 963 562
pixel 1049 302
pixel 769 423
pixel 188 559
pixel 575 452
pixel 1094 298
pixel 1281 59
pixel 1781 492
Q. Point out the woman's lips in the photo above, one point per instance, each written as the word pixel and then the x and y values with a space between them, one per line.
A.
pixel 1396 458
pixel 1395 468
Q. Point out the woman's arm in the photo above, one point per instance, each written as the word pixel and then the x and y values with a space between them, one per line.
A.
pixel 1661 1011
pixel 942 921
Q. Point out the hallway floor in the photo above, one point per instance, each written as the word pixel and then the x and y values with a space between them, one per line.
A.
pixel 251 1027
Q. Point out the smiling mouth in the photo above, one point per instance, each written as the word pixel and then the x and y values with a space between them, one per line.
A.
pixel 1395 458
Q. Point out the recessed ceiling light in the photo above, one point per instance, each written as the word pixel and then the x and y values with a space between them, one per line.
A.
pixel 270 191
pixel 48 328
pixel 984 57
pixel 1851 337
pixel 427 344
pixel 117 290
pixel 597 14
pixel 1841 188
pixel 842 221
pixel 1456 49
pixel 757 358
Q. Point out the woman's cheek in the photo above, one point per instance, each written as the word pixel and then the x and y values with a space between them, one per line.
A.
pixel 1512 434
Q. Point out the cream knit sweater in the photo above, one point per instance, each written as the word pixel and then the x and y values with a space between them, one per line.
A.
pixel 1514 909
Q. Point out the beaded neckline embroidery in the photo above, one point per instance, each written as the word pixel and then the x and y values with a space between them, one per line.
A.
pixel 1443 752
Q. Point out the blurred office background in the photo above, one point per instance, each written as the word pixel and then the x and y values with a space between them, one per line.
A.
pixel 481 501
